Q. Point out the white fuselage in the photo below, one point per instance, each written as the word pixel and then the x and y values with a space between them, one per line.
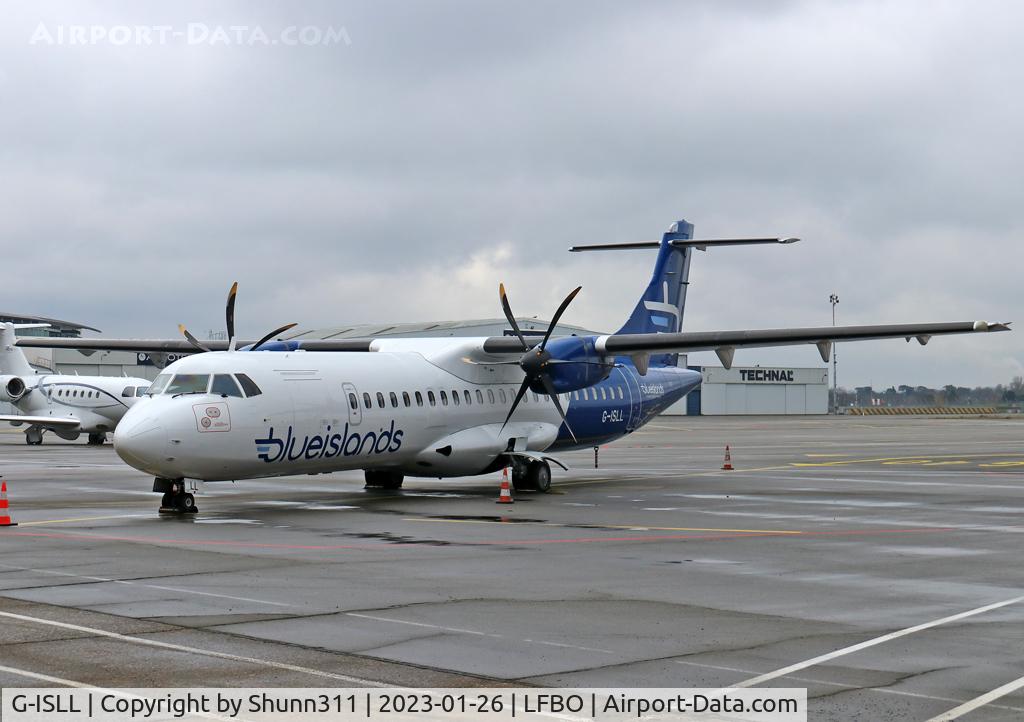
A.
pixel 319 412
pixel 97 402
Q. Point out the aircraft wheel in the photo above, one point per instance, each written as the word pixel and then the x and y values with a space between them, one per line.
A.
pixel 539 476
pixel 167 501
pixel 97 439
pixel 383 479
pixel 187 503
pixel 33 437
pixel 520 480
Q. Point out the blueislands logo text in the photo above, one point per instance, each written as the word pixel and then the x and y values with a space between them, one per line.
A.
pixel 328 445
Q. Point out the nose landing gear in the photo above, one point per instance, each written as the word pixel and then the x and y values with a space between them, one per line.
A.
pixel 175 499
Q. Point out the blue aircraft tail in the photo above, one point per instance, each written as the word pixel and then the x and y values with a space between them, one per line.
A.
pixel 660 309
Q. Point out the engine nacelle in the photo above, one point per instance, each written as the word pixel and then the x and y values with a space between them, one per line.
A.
pixel 12 388
pixel 575 376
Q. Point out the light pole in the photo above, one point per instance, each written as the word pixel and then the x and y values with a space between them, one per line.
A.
pixel 834 300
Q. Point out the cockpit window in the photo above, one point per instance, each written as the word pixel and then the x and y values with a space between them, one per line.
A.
pixel 248 385
pixel 188 384
pixel 224 385
pixel 141 391
pixel 128 392
pixel 159 384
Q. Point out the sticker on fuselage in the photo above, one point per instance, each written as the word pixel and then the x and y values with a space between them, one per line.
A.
pixel 212 417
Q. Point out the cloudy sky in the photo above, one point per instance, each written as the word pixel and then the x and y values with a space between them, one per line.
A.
pixel 422 151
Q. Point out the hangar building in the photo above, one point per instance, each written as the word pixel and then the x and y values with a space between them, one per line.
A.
pixel 759 390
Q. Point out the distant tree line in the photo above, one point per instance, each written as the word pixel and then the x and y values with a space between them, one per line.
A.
pixel 1009 395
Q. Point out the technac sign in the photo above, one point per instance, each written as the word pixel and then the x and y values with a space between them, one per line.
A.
pixel 767 375
pixel 327 445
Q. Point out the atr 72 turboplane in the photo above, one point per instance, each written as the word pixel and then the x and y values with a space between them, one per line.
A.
pixel 436 407
pixel 66 405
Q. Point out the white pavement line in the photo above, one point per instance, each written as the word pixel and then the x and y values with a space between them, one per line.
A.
pixel 844 685
pixel 423 624
pixel 129 582
pixel 193 650
pixel 82 685
pixel 873 642
pixel 475 633
pixel 977 702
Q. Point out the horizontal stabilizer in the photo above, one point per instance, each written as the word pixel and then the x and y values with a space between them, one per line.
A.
pixel 701 244
pixel 53 422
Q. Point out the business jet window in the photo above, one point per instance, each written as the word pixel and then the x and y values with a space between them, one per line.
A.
pixel 353 402
pixel 128 392
pixel 159 384
pixel 479 397
pixel 248 385
pixel 490 396
pixel 224 385
pixel 501 393
pixel 141 391
pixel 188 384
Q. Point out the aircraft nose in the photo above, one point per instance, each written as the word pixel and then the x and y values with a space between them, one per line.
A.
pixel 140 440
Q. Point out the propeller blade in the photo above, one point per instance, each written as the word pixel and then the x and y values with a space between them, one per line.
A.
pixel 519 397
pixel 229 314
pixel 578 361
pixel 508 315
pixel 190 338
pixel 558 315
pixel 271 335
pixel 550 388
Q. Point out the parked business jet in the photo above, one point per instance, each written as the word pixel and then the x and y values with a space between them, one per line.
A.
pixel 436 407
pixel 66 405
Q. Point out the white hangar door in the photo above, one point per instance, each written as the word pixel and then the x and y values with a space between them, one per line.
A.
pixel 766 399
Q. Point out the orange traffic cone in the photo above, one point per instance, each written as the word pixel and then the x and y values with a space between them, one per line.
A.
pixel 505 497
pixel 727 466
pixel 5 515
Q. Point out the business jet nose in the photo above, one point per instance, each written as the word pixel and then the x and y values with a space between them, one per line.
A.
pixel 140 440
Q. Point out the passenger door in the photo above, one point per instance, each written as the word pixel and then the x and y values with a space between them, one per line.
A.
pixel 352 401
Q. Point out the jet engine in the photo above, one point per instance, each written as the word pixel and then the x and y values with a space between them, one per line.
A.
pixel 12 388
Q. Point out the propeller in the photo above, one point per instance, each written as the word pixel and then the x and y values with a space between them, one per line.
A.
pixel 229 321
pixel 534 362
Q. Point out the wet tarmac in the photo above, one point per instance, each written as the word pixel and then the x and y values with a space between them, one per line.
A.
pixel 876 562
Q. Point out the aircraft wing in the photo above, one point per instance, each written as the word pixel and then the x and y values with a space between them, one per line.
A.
pixel 55 422
pixel 180 346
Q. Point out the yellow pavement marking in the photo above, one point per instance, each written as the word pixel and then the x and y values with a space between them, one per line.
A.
pixel 825 455
pixel 929 459
pixel 1001 464
pixel 633 527
pixel 79 518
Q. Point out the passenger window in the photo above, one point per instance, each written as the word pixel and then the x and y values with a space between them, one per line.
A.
pixel 225 386
pixel 431 399
pixel 501 392
pixel 604 397
pixel 394 400
pixel 353 402
pixel 535 396
pixel 490 396
pixel 479 397
pixel 406 400
pixel 419 399
pixel 620 392
pixel 455 397
pixel 128 392
pixel 248 385
pixel 444 398
pixel 366 400
pixel 380 400
pixel 469 399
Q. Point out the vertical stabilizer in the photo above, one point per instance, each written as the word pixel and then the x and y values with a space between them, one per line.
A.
pixel 660 309
pixel 12 358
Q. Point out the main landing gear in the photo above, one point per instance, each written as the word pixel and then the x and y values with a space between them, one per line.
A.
pixel 532 476
pixel 97 439
pixel 175 499
pixel 33 436
pixel 383 479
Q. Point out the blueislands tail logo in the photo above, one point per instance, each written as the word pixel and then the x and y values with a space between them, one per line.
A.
pixel 328 445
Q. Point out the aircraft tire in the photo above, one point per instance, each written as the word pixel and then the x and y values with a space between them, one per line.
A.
pixel 34 437
pixel 167 501
pixel 97 439
pixel 383 479
pixel 539 476
pixel 187 503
